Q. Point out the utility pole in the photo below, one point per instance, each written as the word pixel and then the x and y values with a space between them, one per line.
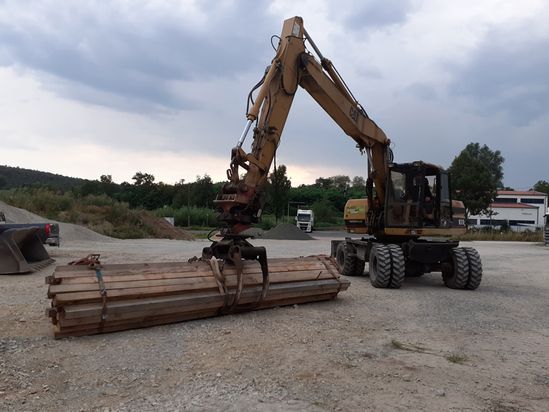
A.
pixel 189 205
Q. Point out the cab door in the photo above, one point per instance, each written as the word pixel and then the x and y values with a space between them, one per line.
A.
pixel 444 200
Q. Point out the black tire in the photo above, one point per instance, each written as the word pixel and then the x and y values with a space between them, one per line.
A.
pixel 456 274
pixel 475 268
pixel 397 266
pixel 359 267
pixel 380 266
pixel 348 263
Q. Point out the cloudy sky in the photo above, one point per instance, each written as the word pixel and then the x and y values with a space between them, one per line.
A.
pixel 160 86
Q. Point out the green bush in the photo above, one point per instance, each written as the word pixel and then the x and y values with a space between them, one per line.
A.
pixel 325 212
pixel 98 212
pixel 97 200
pixel 199 216
pixel 502 235
pixel 117 212
pixel 267 222
pixel 42 201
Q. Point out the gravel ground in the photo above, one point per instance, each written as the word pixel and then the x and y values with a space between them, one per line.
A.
pixel 423 347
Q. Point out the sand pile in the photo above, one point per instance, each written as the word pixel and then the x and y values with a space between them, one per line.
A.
pixel 286 231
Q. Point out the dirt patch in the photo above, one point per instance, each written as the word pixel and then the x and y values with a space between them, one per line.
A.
pixel 422 347
pixel 286 231
pixel 163 229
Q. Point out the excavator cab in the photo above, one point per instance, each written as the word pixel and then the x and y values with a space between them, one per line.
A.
pixel 418 196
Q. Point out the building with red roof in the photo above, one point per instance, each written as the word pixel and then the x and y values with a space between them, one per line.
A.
pixel 520 210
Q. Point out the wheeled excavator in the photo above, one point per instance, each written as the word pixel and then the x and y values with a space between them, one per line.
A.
pixel 404 204
pixel 407 207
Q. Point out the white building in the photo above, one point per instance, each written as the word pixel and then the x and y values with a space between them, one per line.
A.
pixel 546 233
pixel 520 210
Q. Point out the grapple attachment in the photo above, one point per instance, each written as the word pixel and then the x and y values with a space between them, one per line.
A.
pixel 22 251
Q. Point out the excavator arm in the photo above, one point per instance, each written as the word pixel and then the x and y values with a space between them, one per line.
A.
pixel 240 202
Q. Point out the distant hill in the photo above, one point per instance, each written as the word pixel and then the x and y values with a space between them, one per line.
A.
pixel 11 177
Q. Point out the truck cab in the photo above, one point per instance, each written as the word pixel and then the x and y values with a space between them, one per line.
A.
pixel 305 220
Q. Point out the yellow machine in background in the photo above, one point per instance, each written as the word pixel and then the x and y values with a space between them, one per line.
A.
pixel 355 216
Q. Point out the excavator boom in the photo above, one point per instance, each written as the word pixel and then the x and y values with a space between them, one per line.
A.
pixel 240 202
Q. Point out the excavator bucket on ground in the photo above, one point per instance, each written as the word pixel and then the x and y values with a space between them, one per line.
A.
pixel 21 251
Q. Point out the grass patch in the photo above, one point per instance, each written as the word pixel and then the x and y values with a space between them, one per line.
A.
pixel 197 217
pixel 100 213
pixel 457 358
pixel 397 344
pixel 460 359
pixel 406 346
pixel 507 235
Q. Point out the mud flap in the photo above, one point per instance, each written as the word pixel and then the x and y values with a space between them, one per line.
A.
pixel 21 251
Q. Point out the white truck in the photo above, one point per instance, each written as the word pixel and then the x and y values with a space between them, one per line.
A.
pixel 305 220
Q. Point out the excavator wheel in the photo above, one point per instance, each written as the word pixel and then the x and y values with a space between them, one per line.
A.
pixel 386 266
pixel 464 270
pixel 475 268
pixel 348 263
pixel 398 266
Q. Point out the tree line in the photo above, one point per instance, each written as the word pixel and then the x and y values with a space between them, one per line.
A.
pixel 327 195
pixel 476 173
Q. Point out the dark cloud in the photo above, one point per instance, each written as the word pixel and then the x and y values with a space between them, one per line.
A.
pixel 507 77
pixel 134 57
pixel 374 14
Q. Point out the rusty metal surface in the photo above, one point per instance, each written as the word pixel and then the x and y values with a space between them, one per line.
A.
pixel 21 251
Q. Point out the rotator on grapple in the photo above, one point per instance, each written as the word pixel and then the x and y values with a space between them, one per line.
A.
pixel 238 210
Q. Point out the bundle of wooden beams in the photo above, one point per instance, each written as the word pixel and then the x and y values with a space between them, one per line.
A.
pixel 87 300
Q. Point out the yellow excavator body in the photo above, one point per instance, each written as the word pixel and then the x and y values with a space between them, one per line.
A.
pixel 355 216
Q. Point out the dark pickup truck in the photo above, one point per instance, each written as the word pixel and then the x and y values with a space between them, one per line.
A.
pixel 48 233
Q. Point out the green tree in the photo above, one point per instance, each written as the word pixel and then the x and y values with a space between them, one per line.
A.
pixel 358 182
pixel 542 186
pixel 181 192
pixel 278 191
pixel 143 179
pixel 323 182
pixel 325 211
pixel 107 185
pixel 341 182
pixel 477 173
pixel 202 191
pixel 105 179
